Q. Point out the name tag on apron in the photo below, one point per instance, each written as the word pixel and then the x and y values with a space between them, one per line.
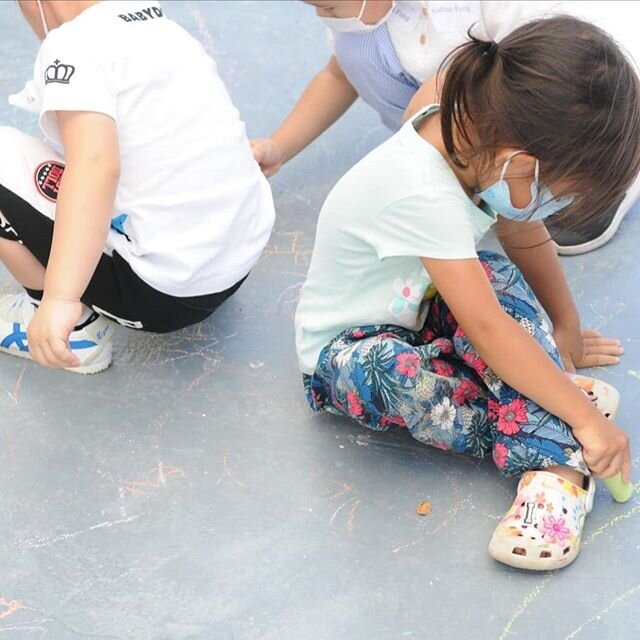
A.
pixel 450 16
pixel 406 15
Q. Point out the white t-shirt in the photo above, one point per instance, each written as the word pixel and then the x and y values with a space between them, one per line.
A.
pixel 193 211
pixel 424 32
pixel 399 203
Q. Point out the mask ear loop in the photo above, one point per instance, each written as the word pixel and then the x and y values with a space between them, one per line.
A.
pixel 535 182
pixel 507 162
pixel 44 20
pixel 362 8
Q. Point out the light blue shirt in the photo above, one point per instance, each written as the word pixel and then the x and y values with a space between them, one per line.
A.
pixel 371 64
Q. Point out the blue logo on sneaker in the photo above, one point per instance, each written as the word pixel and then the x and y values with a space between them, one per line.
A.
pixel 18 337
pixel 81 344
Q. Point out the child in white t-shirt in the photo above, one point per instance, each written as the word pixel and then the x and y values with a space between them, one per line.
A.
pixel 155 211
pixel 401 322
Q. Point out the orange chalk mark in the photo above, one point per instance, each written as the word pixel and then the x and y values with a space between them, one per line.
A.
pixel 11 606
pixel 163 473
pixel 352 516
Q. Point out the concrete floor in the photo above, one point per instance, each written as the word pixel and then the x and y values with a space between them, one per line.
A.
pixel 189 493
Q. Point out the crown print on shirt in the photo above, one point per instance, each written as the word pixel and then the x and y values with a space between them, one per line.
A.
pixel 58 72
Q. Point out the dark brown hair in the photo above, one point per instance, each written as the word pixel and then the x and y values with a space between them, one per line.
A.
pixel 562 90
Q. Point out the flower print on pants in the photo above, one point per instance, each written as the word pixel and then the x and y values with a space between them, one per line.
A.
pixel 435 383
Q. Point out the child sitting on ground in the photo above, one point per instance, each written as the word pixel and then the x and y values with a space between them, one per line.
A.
pixel 401 322
pixel 154 213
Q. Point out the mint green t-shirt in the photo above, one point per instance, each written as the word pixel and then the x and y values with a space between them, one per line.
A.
pixel 401 202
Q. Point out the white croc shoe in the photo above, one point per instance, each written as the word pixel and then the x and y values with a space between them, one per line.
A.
pixel 91 341
pixel 605 397
pixel 543 529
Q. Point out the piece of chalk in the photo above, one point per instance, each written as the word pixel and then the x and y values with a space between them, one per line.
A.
pixel 620 491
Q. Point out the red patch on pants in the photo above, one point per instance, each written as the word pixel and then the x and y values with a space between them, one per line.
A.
pixel 47 178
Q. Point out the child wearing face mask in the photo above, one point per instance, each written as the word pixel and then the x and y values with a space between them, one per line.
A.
pixel 402 323
pixel 155 211
pixel 387 53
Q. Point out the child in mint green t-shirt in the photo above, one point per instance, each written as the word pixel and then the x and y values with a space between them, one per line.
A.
pixel 402 322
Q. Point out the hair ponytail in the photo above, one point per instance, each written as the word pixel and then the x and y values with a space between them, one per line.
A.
pixel 467 66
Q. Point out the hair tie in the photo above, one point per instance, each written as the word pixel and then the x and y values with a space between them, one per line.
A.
pixel 492 48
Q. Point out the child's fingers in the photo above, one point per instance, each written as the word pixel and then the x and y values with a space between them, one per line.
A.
pixel 36 353
pixel 602 343
pixel 610 470
pixel 47 357
pixel 604 350
pixel 626 467
pixel 598 360
pixel 620 464
pixel 62 354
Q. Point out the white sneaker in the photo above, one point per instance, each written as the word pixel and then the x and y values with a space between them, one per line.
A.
pixel 91 341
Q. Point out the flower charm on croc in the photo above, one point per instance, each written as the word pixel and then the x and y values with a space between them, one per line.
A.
pixel 543 528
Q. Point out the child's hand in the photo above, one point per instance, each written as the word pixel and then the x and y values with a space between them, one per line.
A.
pixel 268 155
pixel 586 349
pixel 49 330
pixel 605 448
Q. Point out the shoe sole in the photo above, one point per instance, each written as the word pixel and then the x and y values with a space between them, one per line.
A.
pixel 89 369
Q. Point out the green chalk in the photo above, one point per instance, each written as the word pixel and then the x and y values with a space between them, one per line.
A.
pixel 620 491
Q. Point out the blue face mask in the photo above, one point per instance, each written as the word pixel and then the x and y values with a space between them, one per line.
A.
pixel 541 206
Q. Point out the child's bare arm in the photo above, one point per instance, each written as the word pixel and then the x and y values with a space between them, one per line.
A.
pixel 83 212
pixel 324 100
pixel 515 357
pixel 528 246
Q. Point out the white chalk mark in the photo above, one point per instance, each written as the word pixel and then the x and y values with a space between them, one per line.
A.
pixel 29 627
pixel 46 542
pixel 339 509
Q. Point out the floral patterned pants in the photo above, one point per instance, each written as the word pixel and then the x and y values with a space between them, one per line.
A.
pixel 434 383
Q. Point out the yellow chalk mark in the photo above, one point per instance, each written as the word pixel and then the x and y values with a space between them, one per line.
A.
pixel 611 523
pixel 604 611
pixel 524 605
